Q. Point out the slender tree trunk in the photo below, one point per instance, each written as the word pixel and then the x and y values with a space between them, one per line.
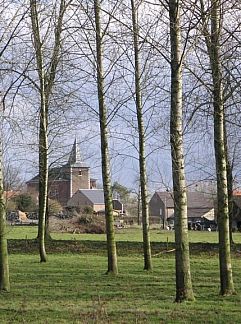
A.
pixel 213 46
pixel 229 183
pixel 43 181
pixel 111 245
pixel 43 138
pixel 141 131
pixel 4 268
pixel 183 273
pixel 46 81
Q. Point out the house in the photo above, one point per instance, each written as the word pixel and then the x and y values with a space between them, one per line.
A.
pixel 64 181
pixel 200 208
pixel 93 198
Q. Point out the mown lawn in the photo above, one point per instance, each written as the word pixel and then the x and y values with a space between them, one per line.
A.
pixel 126 234
pixel 73 288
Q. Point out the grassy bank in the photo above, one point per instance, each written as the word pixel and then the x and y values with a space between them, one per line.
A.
pixel 74 289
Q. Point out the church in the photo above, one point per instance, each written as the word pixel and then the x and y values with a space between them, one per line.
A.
pixel 66 180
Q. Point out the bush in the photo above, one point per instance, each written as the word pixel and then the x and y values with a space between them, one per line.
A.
pixel 25 203
pixel 85 219
pixel 90 224
pixel 88 210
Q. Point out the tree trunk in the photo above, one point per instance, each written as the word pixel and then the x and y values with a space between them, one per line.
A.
pixel 43 139
pixel 4 268
pixel 229 183
pixel 183 273
pixel 46 81
pixel 213 46
pixel 111 245
pixel 141 133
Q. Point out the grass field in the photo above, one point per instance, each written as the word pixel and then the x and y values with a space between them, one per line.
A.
pixel 126 234
pixel 73 287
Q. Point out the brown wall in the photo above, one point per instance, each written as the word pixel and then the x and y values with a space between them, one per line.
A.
pixel 80 179
pixel 59 189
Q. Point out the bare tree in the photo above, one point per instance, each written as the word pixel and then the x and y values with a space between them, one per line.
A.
pixel 4 268
pixel 141 131
pixel 183 273
pixel 46 76
pixel 212 39
pixel 111 245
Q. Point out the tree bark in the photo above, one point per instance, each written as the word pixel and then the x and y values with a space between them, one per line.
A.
pixel 46 81
pixel 141 134
pixel 4 267
pixel 183 273
pixel 110 233
pixel 213 46
pixel 229 182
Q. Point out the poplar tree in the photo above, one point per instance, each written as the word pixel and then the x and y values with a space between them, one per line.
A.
pixel 141 135
pixel 183 273
pixel 46 75
pixel 110 233
pixel 4 267
pixel 213 43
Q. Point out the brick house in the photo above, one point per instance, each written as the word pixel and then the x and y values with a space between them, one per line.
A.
pixel 200 208
pixel 64 181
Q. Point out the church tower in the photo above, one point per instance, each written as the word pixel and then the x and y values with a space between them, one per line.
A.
pixel 79 171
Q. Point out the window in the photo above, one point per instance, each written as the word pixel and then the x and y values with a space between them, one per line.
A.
pixel 80 173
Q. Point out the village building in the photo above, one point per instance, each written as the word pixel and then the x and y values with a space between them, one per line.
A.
pixel 93 198
pixel 64 181
pixel 200 209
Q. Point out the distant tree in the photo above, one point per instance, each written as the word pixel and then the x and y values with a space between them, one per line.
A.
pixel 54 207
pixel 25 202
pixel 121 192
pixel 11 178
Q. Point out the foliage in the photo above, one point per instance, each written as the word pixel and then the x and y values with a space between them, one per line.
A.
pixel 25 202
pixel 54 207
pixel 11 205
pixel 88 210
pixel 90 224
pixel 122 192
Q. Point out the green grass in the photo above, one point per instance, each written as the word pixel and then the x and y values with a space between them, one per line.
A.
pixel 126 234
pixel 72 288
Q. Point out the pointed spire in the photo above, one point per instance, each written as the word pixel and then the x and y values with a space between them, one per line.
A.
pixel 74 156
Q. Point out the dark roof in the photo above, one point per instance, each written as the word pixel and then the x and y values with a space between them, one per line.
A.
pixel 96 196
pixel 194 200
pixel 197 212
pixel 58 173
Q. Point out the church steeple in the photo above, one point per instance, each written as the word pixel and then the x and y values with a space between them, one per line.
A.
pixel 75 157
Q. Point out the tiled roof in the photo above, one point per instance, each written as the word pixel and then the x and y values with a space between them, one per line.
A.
pixel 96 196
pixel 194 200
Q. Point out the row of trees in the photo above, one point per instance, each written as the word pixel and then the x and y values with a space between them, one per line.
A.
pixel 123 63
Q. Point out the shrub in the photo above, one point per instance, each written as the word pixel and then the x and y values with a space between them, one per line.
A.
pixel 88 210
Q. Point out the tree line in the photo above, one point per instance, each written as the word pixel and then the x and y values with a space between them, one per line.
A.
pixel 135 67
